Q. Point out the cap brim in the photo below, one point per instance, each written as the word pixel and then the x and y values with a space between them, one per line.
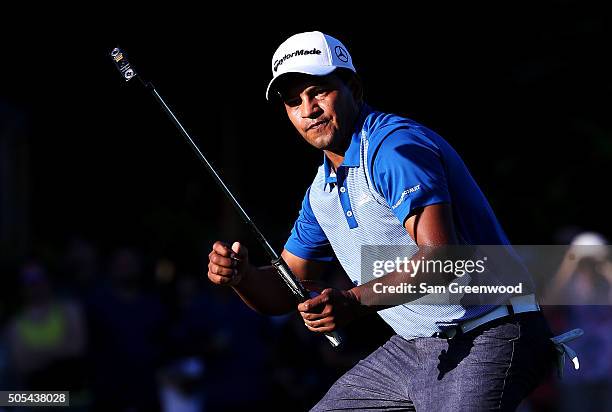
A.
pixel 312 70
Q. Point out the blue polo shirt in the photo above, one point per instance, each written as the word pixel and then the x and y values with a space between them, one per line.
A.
pixel 392 167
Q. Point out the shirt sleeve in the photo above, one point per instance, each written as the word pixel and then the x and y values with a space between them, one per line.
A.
pixel 307 239
pixel 409 173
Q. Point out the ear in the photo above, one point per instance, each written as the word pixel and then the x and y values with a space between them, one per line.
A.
pixel 356 87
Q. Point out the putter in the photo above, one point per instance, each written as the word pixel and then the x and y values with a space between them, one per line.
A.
pixel 294 285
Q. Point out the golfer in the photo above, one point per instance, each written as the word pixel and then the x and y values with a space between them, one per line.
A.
pixel 387 180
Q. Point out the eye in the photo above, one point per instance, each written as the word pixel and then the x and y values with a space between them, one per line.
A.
pixel 296 101
pixel 320 91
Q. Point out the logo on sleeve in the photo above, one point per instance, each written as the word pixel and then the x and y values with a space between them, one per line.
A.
pixel 363 199
pixel 404 194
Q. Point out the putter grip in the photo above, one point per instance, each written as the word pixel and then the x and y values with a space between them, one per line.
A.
pixel 300 293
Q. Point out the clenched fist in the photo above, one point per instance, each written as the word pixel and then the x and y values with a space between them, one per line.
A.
pixel 227 266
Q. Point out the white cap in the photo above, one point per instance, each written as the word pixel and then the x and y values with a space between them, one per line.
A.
pixel 313 53
pixel 589 239
pixel 590 244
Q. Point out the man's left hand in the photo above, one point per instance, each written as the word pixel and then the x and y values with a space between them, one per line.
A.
pixel 330 310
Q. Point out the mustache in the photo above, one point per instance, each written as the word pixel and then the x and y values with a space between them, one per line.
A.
pixel 318 122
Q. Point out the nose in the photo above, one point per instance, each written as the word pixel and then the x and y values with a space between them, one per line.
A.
pixel 309 108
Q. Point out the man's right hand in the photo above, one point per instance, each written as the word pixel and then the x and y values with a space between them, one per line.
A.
pixel 261 288
pixel 227 266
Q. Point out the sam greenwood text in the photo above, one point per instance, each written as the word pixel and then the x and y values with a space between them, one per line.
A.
pixel 424 288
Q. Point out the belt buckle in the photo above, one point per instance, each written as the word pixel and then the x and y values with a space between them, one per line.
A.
pixel 446 334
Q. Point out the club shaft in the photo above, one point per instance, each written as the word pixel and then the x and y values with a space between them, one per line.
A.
pixel 278 262
pixel 264 242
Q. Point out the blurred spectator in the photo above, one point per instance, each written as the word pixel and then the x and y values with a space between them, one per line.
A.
pixel 584 277
pixel 194 331
pixel 127 325
pixel 237 343
pixel 46 336
pixel 582 285
pixel 181 386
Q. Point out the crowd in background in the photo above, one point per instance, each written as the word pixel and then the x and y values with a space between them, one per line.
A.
pixel 131 332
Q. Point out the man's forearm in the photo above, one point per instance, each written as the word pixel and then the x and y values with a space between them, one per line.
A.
pixel 375 295
pixel 264 291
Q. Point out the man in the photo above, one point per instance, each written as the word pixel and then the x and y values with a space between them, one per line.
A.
pixel 386 180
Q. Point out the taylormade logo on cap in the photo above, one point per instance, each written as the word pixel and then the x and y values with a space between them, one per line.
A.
pixel 313 53
pixel 295 53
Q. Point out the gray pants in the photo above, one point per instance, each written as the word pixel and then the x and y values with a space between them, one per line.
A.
pixel 490 368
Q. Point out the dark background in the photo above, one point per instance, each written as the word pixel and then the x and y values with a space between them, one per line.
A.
pixel 522 92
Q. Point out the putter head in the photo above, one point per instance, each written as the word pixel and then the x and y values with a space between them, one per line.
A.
pixel 122 64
